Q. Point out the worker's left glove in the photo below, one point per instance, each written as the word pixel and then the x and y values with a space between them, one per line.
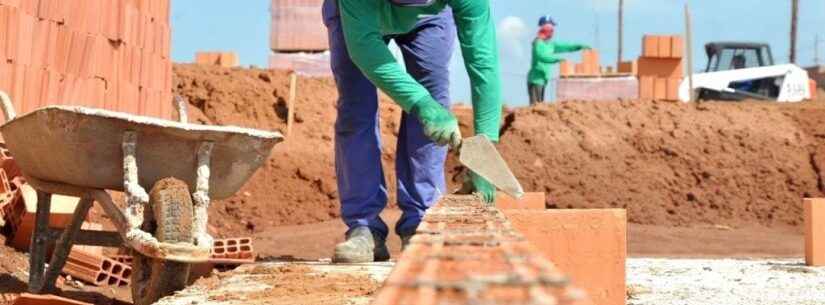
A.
pixel 440 125
pixel 475 184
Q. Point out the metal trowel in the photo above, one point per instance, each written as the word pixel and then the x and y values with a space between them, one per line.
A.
pixel 480 155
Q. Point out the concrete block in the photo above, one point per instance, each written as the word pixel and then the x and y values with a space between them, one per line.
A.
pixel 814 231
pixel 530 201
pixel 588 245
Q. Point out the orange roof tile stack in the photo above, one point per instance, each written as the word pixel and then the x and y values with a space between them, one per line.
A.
pixel 111 54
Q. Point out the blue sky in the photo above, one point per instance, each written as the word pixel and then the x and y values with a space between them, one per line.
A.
pixel 217 25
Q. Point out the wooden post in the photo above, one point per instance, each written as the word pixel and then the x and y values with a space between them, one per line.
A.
pixel 293 82
pixel 689 53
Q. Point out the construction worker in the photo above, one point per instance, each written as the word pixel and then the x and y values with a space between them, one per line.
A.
pixel 544 56
pixel 425 31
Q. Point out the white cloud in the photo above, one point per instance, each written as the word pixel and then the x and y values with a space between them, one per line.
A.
pixel 513 36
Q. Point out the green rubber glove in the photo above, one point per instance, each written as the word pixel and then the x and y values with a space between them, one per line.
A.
pixel 475 184
pixel 440 125
pixel 483 187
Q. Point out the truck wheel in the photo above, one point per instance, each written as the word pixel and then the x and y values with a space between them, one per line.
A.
pixel 169 219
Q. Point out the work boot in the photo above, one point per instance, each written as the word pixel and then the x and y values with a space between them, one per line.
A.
pixel 361 246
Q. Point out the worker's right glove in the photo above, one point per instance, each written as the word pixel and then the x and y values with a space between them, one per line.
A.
pixel 440 125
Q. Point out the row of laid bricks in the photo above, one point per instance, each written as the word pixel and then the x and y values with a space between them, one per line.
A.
pixel 110 54
pixel 467 253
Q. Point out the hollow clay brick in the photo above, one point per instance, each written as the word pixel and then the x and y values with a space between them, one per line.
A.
pixel 588 245
pixel 650 46
pixel 814 232
pixel 530 201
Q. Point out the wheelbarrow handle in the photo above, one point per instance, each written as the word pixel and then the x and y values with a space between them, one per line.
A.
pixel 180 105
pixel 8 108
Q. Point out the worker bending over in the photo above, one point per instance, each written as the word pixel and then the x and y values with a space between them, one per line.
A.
pixel 425 31
pixel 544 56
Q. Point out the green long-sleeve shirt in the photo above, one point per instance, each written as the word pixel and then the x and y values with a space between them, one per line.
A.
pixel 545 55
pixel 367 22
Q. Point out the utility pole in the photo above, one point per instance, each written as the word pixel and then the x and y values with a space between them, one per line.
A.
pixel 794 22
pixel 816 50
pixel 621 33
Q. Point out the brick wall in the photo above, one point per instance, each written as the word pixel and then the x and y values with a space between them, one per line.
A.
pixel 111 54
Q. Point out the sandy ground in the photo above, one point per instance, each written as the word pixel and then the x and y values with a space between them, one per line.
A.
pixel 651 281
pixel 315 241
pixel 288 283
pixel 725 281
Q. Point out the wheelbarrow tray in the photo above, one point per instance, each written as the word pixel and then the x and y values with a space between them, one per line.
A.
pixel 82 147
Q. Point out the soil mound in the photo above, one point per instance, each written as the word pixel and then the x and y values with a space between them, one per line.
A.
pixel 669 164
pixel 672 163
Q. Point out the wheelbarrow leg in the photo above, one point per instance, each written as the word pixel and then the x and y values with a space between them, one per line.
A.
pixel 64 244
pixel 136 196
pixel 39 242
pixel 201 196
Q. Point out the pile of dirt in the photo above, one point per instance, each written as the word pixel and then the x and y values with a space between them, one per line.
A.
pixel 669 164
pixel 297 184
pixel 673 164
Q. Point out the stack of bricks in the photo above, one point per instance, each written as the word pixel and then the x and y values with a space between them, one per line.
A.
pixel 298 37
pixel 222 59
pixel 589 66
pixel 111 54
pixel 467 253
pixel 297 26
pixel 660 67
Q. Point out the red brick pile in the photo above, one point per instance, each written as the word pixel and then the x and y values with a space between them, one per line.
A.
pixel 466 253
pixel 111 54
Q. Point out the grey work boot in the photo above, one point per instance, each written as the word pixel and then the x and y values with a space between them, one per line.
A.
pixel 361 246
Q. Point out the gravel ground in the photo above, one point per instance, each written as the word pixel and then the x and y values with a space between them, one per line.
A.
pixel 723 282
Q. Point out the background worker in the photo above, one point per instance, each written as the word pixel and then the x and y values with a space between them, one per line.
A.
pixel 425 31
pixel 544 56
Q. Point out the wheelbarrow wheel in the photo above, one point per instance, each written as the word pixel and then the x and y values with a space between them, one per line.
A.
pixel 169 218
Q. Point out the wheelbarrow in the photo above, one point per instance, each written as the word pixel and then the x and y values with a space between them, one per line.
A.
pixel 83 152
